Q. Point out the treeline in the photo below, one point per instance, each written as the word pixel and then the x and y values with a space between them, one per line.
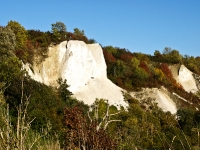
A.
pixel 30 43
pixel 172 56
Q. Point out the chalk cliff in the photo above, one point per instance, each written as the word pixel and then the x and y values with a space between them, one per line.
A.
pixel 84 68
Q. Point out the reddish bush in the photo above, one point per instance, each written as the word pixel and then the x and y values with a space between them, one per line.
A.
pixel 144 66
pixel 82 134
pixel 126 57
pixel 165 69
pixel 109 58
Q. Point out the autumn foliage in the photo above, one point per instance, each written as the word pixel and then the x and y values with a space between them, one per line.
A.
pixel 83 134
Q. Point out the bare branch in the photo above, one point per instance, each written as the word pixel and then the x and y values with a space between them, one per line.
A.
pixel 115 113
pixel 106 119
pixel 89 116
pixel 109 122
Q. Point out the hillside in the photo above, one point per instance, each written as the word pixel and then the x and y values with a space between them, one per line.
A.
pixel 83 67
pixel 49 82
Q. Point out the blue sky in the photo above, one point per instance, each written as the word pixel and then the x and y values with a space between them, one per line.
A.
pixel 137 25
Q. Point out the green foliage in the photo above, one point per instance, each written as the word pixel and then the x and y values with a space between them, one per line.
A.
pixel 10 68
pixel 159 75
pixel 91 41
pixel 111 50
pixel 66 96
pixel 45 105
pixel 9 63
pixel 141 57
pixel 58 29
pixel 152 129
pixel 186 119
pixel 167 50
pixel 135 62
pixel 119 68
pixel 79 32
pixel 7 42
pixel 192 63
pixel 39 38
pixel 64 93
pixel 102 106
pixel 20 33
pixel 140 74
pixel 169 55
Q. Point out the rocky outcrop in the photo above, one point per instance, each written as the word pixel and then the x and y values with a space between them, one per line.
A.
pixel 84 68
pixel 161 97
pixel 184 77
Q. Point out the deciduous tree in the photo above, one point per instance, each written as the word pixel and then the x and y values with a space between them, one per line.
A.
pixel 10 65
pixel 79 32
pixel 20 33
pixel 58 29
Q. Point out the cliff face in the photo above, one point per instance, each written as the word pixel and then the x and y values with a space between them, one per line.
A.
pixel 185 78
pixel 84 68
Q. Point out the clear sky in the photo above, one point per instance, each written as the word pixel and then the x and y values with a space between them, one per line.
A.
pixel 137 25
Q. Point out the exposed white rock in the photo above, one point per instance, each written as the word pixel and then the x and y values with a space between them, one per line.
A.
pixel 155 95
pixel 165 102
pixel 84 68
pixel 184 77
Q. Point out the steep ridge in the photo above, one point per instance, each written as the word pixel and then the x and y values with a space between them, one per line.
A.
pixel 84 68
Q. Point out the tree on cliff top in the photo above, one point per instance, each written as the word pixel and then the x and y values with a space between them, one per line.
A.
pixel 58 29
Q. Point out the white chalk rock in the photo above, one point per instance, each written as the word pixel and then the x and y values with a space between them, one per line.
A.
pixel 186 79
pixel 84 68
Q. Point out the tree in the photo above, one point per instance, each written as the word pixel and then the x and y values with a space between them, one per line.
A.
pixel 58 29
pixel 20 33
pixel 135 62
pixel 167 50
pixel 140 74
pixel 7 42
pixel 79 32
pixel 186 119
pixel 10 65
pixel 63 91
pixel 158 74
pixel 157 53
pixel 176 56
pixel 120 67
